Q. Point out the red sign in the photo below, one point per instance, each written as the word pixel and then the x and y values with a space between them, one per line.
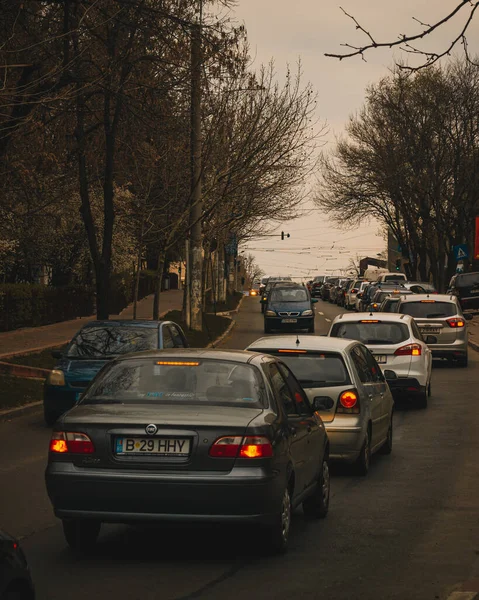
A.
pixel 476 240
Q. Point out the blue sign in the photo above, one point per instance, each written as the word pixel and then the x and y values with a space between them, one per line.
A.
pixel 460 251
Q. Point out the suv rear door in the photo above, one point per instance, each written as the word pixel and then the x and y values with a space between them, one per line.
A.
pixel 431 317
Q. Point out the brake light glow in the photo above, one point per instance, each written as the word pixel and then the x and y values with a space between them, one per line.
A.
pixel 456 322
pixel 63 442
pixel 409 350
pixel 428 301
pixel 369 321
pixel 242 447
pixel 293 351
pixel 173 363
pixel 348 402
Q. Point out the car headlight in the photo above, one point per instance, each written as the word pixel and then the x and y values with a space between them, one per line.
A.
pixel 307 313
pixel 252 293
pixel 56 377
pixel 270 313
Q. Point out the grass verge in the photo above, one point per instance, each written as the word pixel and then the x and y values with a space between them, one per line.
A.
pixel 16 391
pixel 232 301
pixel 42 360
pixel 214 326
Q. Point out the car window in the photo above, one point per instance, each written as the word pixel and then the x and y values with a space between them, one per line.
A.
pixel 300 398
pixel 360 364
pixel 316 369
pixel 416 331
pixel 372 331
pixel 428 309
pixel 178 381
pixel 281 390
pixel 375 373
pixel 106 341
pixel 289 295
pixel 177 336
pixel 467 280
pixel 167 338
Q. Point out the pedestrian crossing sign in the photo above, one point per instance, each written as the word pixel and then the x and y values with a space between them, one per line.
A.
pixel 460 251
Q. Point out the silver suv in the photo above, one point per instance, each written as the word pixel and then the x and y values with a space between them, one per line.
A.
pixel 441 322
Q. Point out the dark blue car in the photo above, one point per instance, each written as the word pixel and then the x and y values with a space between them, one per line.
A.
pixel 289 309
pixel 92 347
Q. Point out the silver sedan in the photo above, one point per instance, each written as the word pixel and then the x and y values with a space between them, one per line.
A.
pixel 346 387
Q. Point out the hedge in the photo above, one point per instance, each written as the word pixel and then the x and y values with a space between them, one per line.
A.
pixel 31 305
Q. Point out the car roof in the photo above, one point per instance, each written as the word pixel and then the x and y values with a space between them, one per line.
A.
pixel 366 316
pixel 124 323
pixel 432 297
pixel 241 356
pixel 306 342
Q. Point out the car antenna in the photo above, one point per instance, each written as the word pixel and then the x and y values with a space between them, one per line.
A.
pixel 297 340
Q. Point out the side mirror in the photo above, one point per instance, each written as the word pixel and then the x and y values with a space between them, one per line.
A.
pixel 388 374
pixel 314 300
pixel 468 317
pixel 359 295
pixel 323 403
pixel 431 339
pixel 56 354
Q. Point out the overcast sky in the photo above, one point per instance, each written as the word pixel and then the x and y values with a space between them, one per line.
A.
pixel 287 30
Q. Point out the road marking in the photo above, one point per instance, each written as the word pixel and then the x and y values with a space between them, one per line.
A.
pixel 328 320
pixel 321 314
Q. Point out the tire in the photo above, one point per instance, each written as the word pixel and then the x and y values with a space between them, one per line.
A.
pixel 317 505
pixel 267 328
pixel 311 329
pixel 387 448
pixel 463 362
pixel 49 416
pixel 362 464
pixel 277 534
pixel 422 400
pixel 429 392
pixel 81 535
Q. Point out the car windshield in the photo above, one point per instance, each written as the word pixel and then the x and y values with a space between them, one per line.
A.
pixel 372 332
pixel 317 369
pixel 467 280
pixel 289 295
pixel 173 381
pixel 428 309
pixel 103 342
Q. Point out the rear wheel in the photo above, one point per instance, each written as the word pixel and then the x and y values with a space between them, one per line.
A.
pixel 422 399
pixel 311 329
pixel 278 532
pixel 387 448
pixel 429 392
pixel 317 505
pixel 81 535
pixel 267 328
pixel 463 361
pixel 361 467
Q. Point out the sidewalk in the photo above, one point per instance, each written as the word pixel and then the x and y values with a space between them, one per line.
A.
pixel 37 338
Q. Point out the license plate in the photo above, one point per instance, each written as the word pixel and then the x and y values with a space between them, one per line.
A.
pixel 154 446
pixel 429 330
pixel 289 321
pixel 381 358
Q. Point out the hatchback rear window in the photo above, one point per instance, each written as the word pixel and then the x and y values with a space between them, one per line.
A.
pixel 428 309
pixel 178 381
pixel 372 332
pixel 316 369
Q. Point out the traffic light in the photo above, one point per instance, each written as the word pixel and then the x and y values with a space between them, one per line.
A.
pixel 398 264
pixel 284 234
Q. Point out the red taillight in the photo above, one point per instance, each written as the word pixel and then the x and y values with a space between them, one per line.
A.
pixel 237 446
pixel 353 291
pixel 348 402
pixel 409 350
pixel 456 322
pixel 71 442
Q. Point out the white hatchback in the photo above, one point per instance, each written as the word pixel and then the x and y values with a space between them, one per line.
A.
pixel 398 347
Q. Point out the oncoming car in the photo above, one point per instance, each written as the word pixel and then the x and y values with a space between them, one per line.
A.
pixel 189 435
pixel 398 347
pixel 92 347
pixel 289 308
pixel 345 385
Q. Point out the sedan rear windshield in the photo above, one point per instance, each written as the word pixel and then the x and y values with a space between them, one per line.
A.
pixel 322 369
pixel 178 381
pixel 104 342
pixel 428 309
pixel 372 332
pixel 289 295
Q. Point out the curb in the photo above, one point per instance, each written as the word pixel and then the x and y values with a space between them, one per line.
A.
pixel 33 350
pixel 23 371
pixel 222 336
pixel 21 411
pixel 473 345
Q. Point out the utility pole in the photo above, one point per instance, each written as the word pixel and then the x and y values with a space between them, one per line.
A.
pixel 196 206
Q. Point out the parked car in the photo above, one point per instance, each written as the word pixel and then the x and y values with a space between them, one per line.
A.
pixel 189 435
pixel 398 347
pixel 316 285
pixel 465 286
pixel 92 347
pixel 351 293
pixel 15 577
pixel 345 385
pixel 328 283
pixel 441 320
pixel 289 308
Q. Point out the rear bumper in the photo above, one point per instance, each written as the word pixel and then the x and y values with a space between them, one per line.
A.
pixel 457 349
pixel 123 497
pixel 345 442
pixel 301 323
pixel 405 386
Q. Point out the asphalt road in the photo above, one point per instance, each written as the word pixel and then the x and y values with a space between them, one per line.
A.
pixel 408 531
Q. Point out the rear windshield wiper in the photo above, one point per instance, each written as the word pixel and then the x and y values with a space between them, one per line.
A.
pixel 372 342
pixel 435 315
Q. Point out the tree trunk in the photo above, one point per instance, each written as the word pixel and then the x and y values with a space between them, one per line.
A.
pixel 159 277
pixel 220 286
pixel 102 273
